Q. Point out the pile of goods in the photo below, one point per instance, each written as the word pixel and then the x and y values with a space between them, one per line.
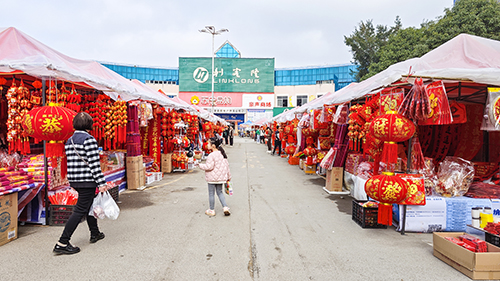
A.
pixel 470 243
pixel 66 197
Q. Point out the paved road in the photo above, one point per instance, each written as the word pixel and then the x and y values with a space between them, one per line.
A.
pixel 283 227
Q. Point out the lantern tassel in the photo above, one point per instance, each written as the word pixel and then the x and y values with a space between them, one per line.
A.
pixel 390 153
pixel 385 214
pixel 55 149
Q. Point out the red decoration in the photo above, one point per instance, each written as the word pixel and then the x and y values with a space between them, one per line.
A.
pixel 387 189
pixel 50 123
pixel 391 128
pixel 310 151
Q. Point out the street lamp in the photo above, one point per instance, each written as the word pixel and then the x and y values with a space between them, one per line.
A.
pixel 211 29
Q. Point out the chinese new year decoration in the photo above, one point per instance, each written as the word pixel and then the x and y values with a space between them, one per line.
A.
pixel 51 123
pixel 387 189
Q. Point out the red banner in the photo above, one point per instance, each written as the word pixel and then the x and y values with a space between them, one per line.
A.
pixel 155 141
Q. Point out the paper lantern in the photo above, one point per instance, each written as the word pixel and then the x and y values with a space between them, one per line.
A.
pixel 207 127
pixel 290 149
pixel 387 189
pixel 391 128
pixel 50 123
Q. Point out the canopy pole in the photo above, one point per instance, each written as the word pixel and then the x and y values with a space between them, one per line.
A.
pixel 45 163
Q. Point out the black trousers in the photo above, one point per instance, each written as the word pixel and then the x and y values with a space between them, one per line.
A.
pixel 231 140
pixel 81 210
pixel 277 144
pixel 225 140
pixel 269 144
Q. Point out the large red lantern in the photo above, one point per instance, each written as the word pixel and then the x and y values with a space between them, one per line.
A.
pixel 207 127
pixel 310 151
pixel 391 128
pixel 50 123
pixel 387 189
pixel 290 149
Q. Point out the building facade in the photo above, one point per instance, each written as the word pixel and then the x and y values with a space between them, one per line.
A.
pixel 244 88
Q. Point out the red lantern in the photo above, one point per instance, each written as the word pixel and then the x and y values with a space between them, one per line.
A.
pixel 387 189
pixel 207 127
pixel 391 128
pixel 309 140
pixel 50 123
pixel 310 151
pixel 290 149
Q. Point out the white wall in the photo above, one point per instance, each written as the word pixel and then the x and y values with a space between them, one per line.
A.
pixel 311 91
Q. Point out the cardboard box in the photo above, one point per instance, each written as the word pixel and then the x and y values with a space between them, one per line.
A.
pixel 477 266
pixel 150 179
pixel 136 179
pixel 301 164
pixel 8 218
pixel 309 169
pixel 134 163
pixel 166 163
pixel 158 176
pixel 335 179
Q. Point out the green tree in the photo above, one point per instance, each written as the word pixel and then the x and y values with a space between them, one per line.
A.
pixel 366 41
pixel 475 17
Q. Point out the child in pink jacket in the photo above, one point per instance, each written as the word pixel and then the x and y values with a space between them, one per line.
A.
pixel 216 174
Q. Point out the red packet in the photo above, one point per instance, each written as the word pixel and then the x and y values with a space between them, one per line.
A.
pixel 440 107
pixel 416 189
pixel 391 99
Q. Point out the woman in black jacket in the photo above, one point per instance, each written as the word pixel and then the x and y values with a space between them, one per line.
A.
pixel 84 175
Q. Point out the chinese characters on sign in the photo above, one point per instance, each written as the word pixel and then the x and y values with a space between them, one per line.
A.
pixel 259 104
pixel 207 100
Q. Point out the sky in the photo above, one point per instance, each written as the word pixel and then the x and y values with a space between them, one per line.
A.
pixel 156 33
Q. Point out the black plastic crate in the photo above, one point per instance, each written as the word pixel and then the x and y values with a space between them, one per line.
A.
pixel 59 214
pixel 492 238
pixel 115 193
pixel 365 217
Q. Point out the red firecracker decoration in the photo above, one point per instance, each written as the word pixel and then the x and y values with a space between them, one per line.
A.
pixel 387 189
pixel 50 123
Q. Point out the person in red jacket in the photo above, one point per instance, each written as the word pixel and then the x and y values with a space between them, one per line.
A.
pixel 217 174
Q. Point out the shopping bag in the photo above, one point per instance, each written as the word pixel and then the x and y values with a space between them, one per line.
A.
pixel 104 206
pixel 111 209
pixel 96 210
pixel 228 188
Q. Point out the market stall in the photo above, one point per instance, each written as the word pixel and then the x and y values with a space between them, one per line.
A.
pixel 424 131
pixel 40 92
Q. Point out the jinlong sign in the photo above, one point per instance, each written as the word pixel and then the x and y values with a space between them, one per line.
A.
pixel 230 75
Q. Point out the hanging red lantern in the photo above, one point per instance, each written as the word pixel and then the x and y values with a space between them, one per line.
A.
pixel 50 123
pixel 290 149
pixel 388 189
pixel 391 128
pixel 310 151
pixel 207 127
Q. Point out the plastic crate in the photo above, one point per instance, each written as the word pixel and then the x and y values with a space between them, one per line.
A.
pixel 365 217
pixel 492 238
pixel 115 193
pixel 59 214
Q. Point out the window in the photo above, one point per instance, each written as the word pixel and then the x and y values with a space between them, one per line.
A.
pixel 301 100
pixel 319 96
pixel 282 101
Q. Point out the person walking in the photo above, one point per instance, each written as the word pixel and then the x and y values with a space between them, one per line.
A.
pixel 225 134
pixel 269 139
pixel 277 141
pixel 231 135
pixel 84 175
pixel 257 133
pixel 217 174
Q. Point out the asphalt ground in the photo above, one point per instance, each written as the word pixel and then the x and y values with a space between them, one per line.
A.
pixel 283 227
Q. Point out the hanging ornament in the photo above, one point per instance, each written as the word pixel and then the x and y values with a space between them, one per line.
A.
pixel 387 189
pixel 51 123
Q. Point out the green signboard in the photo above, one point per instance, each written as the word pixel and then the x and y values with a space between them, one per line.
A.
pixel 230 75
pixel 279 110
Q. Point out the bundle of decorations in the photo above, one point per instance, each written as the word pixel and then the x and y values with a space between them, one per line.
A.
pixel 10 179
pixel 455 176
pixel 180 161
pixel 66 197
pixel 133 133
pixel 483 190
pixel 18 101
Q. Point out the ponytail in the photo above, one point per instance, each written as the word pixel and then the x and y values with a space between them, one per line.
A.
pixel 217 142
pixel 222 151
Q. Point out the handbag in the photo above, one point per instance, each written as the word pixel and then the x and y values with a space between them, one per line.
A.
pixel 228 188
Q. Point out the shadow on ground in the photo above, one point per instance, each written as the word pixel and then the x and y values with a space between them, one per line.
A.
pixel 344 203
pixel 134 200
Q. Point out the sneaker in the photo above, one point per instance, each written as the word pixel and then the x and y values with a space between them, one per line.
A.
pixel 66 250
pixel 226 211
pixel 210 213
pixel 96 238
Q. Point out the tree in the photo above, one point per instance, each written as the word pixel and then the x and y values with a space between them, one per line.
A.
pixel 475 17
pixel 366 41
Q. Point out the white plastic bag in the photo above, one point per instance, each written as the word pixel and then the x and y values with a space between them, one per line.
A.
pixel 104 206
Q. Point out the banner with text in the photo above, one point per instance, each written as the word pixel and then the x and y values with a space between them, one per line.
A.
pixel 230 75
pixel 263 101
